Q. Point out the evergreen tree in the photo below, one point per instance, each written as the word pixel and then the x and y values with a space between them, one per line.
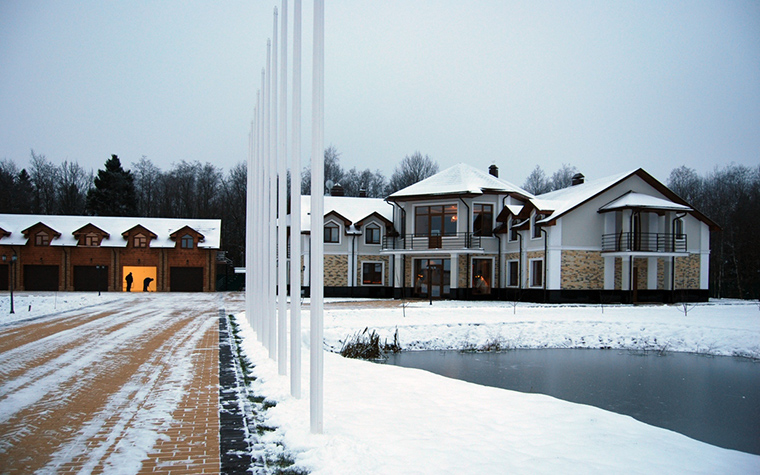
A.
pixel 114 192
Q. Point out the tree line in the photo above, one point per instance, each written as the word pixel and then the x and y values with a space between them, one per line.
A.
pixel 730 196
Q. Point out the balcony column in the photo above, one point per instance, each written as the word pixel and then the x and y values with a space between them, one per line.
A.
pixel 398 269
pixel 454 280
pixel 609 272
pixel 652 272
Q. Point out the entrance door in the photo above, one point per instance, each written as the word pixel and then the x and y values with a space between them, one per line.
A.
pixel 481 276
pixel 186 279
pixel 90 278
pixel 432 278
pixel 143 277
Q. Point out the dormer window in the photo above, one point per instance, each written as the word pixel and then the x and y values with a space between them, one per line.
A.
pixel 513 229
pixel 42 239
pixel 372 235
pixel 91 240
pixel 536 227
pixel 140 240
pixel 187 241
pixel 332 235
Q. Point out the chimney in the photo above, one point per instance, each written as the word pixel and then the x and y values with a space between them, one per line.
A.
pixel 494 170
pixel 337 190
pixel 362 193
pixel 578 179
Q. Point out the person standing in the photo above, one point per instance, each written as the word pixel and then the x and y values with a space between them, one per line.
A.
pixel 129 282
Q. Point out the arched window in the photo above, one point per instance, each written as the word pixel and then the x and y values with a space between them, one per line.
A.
pixel 42 239
pixel 140 240
pixel 187 241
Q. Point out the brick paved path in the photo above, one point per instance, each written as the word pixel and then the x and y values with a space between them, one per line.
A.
pixel 130 387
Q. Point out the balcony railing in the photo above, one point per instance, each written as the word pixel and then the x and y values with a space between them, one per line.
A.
pixel 417 242
pixel 643 242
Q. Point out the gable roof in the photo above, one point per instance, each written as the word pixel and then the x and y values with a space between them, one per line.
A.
pixel 13 224
pixel 641 201
pixel 461 179
pixel 562 201
pixel 349 208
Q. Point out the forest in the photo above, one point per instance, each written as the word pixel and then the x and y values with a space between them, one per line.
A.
pixel 728 195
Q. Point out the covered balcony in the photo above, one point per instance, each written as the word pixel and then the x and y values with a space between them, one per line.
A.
pixel 644 242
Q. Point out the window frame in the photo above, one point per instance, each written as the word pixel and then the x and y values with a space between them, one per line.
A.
pixel 509 273
pixel 381 274
pixel 91 240
pixel 184 239
pixel 534 274
pixel 476 215
pixel 535 228
pixel 139 241
pixel 42 239
pixel 431 214
pixel 331 225
pixel 369 231
pixel 490 280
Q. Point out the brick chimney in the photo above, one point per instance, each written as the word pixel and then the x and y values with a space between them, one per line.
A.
pixel 578 179
pixel 337 190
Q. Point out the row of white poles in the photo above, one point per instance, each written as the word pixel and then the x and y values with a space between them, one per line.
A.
pixel 266 212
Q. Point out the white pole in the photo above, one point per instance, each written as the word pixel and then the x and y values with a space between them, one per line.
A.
pixel 317 222
pixel 252 143
pixel 271 301
pixel 260 221
pixel 295 212
pixel 282 203
pixel 250 280
pixel 265 317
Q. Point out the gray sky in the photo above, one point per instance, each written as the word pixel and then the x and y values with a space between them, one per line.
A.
pixel 605 86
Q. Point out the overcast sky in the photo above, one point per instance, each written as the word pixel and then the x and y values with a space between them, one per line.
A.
pixel 605 86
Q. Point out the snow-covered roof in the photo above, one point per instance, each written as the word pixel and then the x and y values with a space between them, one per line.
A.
pixel 352 208
pixel 640 200
pixel 211 229
pixel 457 180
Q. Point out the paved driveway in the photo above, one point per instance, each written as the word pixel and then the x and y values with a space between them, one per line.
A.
pixel 129 386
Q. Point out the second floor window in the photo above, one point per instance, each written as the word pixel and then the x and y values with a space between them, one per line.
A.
pixel 435 220
pixel 483 219
pixel 140 240
pixel 513 229
pixel 41 239
pixel 187 241
pixel 536 227
pixel 331 233
pixel 372 235
pixel 91 240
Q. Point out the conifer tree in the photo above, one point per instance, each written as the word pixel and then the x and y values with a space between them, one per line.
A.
pixel 114 191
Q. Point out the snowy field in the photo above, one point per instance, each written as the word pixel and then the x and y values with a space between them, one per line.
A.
pixel 388 420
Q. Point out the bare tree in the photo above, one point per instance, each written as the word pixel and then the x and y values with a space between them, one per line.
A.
pixel 537 183
pixel 233 212
pixel 412 169
pixel 8 177
pixel 333 171
pixel 563 177
pixel 147 187
pixel 44 176
pixel 73 185
pixel 373 184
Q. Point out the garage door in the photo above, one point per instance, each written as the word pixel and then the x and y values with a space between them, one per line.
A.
pixel 40 277
pixel 186 279
pixel 90 278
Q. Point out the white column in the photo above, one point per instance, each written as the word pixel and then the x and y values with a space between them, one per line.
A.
pixel 295 212
pixel 282 205
pixel 454 279
pixel 271 301
pixel 652 273
pixel 317 222
pixel 267 243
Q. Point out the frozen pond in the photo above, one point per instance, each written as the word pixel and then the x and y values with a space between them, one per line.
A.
pixel 712 399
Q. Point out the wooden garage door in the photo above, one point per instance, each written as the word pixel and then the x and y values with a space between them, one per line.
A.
pixel 4 275
pixel 40 277
pixel 90 278
pixel 186 279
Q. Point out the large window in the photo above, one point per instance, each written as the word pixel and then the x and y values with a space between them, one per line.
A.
pixel 513 274
pixel 372 235
pixel 537 273
pixel 372 273
pixel 332 235
pixel 481 276
pixel 483 219
pixel 435 220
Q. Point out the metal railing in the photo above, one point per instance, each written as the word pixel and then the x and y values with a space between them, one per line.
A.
pixel 643 242
pixel 422 242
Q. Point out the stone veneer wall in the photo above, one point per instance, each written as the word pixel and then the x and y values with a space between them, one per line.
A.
pixel 582 270
pixel 336 270
pixel 687 272
pixel 377 258
pixel 660 273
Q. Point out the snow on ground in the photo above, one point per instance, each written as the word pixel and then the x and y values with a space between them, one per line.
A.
pixel 384 419
pixel 39 304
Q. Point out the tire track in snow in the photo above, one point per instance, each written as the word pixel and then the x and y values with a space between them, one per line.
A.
pixel 69 388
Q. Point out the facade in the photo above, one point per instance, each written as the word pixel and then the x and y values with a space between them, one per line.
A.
pixel 467 234
pixel 97 253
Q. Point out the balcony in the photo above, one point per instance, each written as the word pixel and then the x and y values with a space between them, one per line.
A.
pixel 644 242
pixel 416 242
